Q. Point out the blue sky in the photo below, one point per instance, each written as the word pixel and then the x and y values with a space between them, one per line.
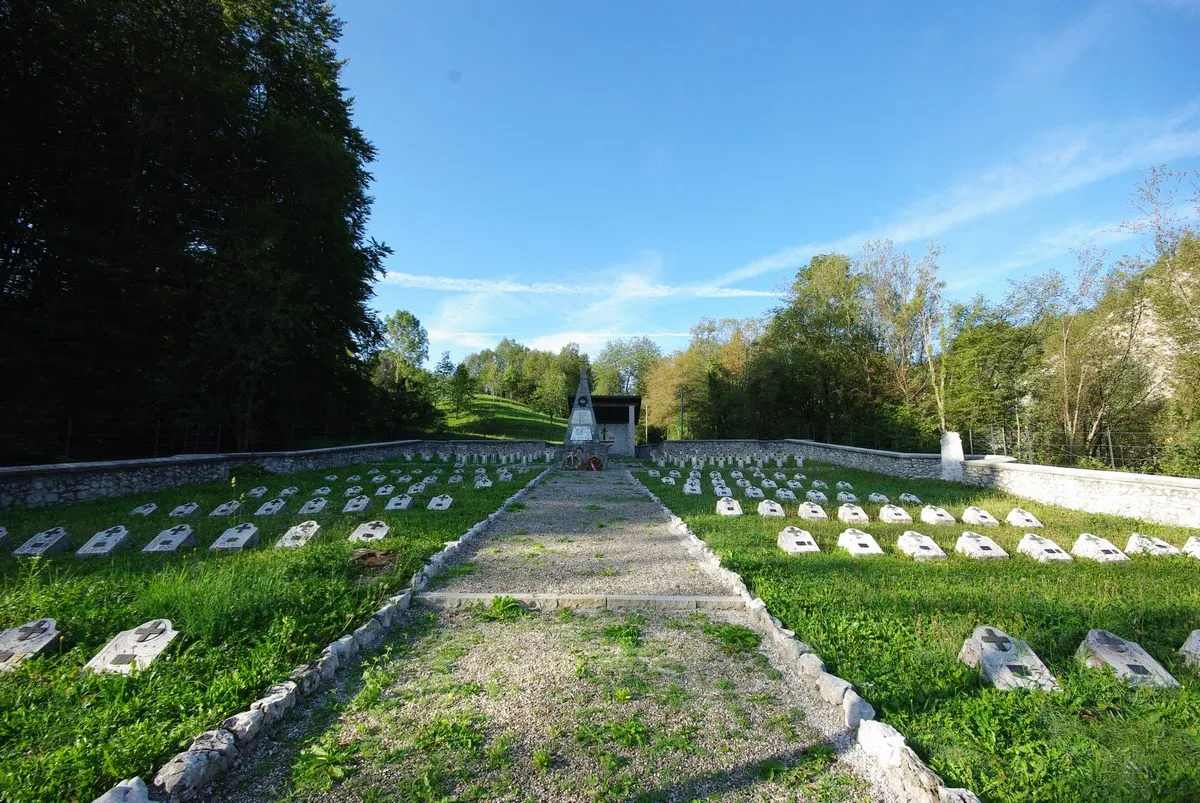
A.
pixel 561 171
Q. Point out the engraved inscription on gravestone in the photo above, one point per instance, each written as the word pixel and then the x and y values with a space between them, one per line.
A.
pixel 30 639
pixel 811 511
pixel 979 547
pixel 1005 662
pixel 398 503
pixel 357 505
pixel 442 502
pixel 370 531
pixel 313 506
pixel 1127 658
pixel 135 648
pixel 145 510
pixel 176 538
pixel 857 542
pixel 185 509
pixel 106 542
pixel 270 508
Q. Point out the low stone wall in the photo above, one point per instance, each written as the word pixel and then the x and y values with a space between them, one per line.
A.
pixel 900 464
pixel 67 483
pixel 1163 500
pixel 913 465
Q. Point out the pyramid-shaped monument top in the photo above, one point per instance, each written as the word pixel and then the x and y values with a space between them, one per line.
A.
pixel 581 426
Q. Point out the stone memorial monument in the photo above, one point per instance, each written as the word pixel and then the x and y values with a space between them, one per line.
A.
pixel 582 445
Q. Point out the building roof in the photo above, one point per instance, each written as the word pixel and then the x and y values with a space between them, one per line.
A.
pixel 614 409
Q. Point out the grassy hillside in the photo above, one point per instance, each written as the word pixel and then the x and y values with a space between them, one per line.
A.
pixel 492 417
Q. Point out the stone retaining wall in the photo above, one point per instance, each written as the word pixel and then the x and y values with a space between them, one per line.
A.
pixel 67 483
pixel 900 464
pixel 1163 500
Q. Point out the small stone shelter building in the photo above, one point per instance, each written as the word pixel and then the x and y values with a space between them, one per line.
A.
pixel 617 418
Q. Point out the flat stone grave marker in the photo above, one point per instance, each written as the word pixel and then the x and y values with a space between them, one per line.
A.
pixel 173 539
pixel 398 503
pixel 891 514
pixel 1019 517
pixel 379 479
pixel 455 479
pixel 385 490
pixel 106 542
pixel 134 648
pixel 28 640
pixel 1192 546
pixel 357 505
pixel 795 541
pixel 504 476
pixel 856 542
pixel 737 475
pixel 1127 658
pixel 852 514
pixel 979 517
pixel 145 510
pixel 795 485
pixel 47 542
pixel 291 490
pixel 299 535
pixel 331 477
pixel 816 496
pixel 770 508
pixel 842 485
pixel 3 538
pixel 403 478
pixel 415 488
pixel 728 506
pixel 919 547
pixel 722 490
pixel 780 476
pixel 878 499
pixel 979 547
pixel 783 494
pixel 324 490
pixel 270 508
pixel 1149 545
pixel 235 539
pixel 1189 652
pixel 257 493
pixel 654 472
pixel 769 484
pixel 1005 662
pixel 909 499
pixel 442 502
pixel 665 481
pixel 753 493
pixel 356 478
pixel 353 490
pixel 1043 550
pixel 742 483
pixel 1096 548
pixel 313 506
pixel 692 489
pixel 799 477
pixel 846 497
pixel 758 475
pixel 372 471
pixel 811 511
pixel 674 473
pixel 227 509
pixel 931 514
pixel 817 484
pixel 186 509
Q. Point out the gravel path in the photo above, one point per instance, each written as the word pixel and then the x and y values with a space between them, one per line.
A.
pixel 571 707
pixel 496 704
pixel 583 533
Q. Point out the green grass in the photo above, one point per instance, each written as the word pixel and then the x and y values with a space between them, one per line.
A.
pixel 245 621
pixel 894 627
pixel 493 417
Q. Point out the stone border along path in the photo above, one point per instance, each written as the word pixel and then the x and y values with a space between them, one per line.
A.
pixel 212 753
pixel 908 777
pixel 573 515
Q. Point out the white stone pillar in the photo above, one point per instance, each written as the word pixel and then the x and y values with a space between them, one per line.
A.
pixel 952 457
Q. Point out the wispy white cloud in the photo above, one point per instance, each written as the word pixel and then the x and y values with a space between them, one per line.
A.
pixel 1053 54
pixel 1065 161
pixel 646 289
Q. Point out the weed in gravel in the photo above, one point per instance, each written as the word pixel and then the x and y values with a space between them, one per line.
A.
pixel 734 639
pixel 543 759
pixel 595 507
pixel 516 507
pixel 628 635
pixel 608 571
pixel 461 733
pixel 501 609
pixel 323 765
pixel 499 755
pixel 565 615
